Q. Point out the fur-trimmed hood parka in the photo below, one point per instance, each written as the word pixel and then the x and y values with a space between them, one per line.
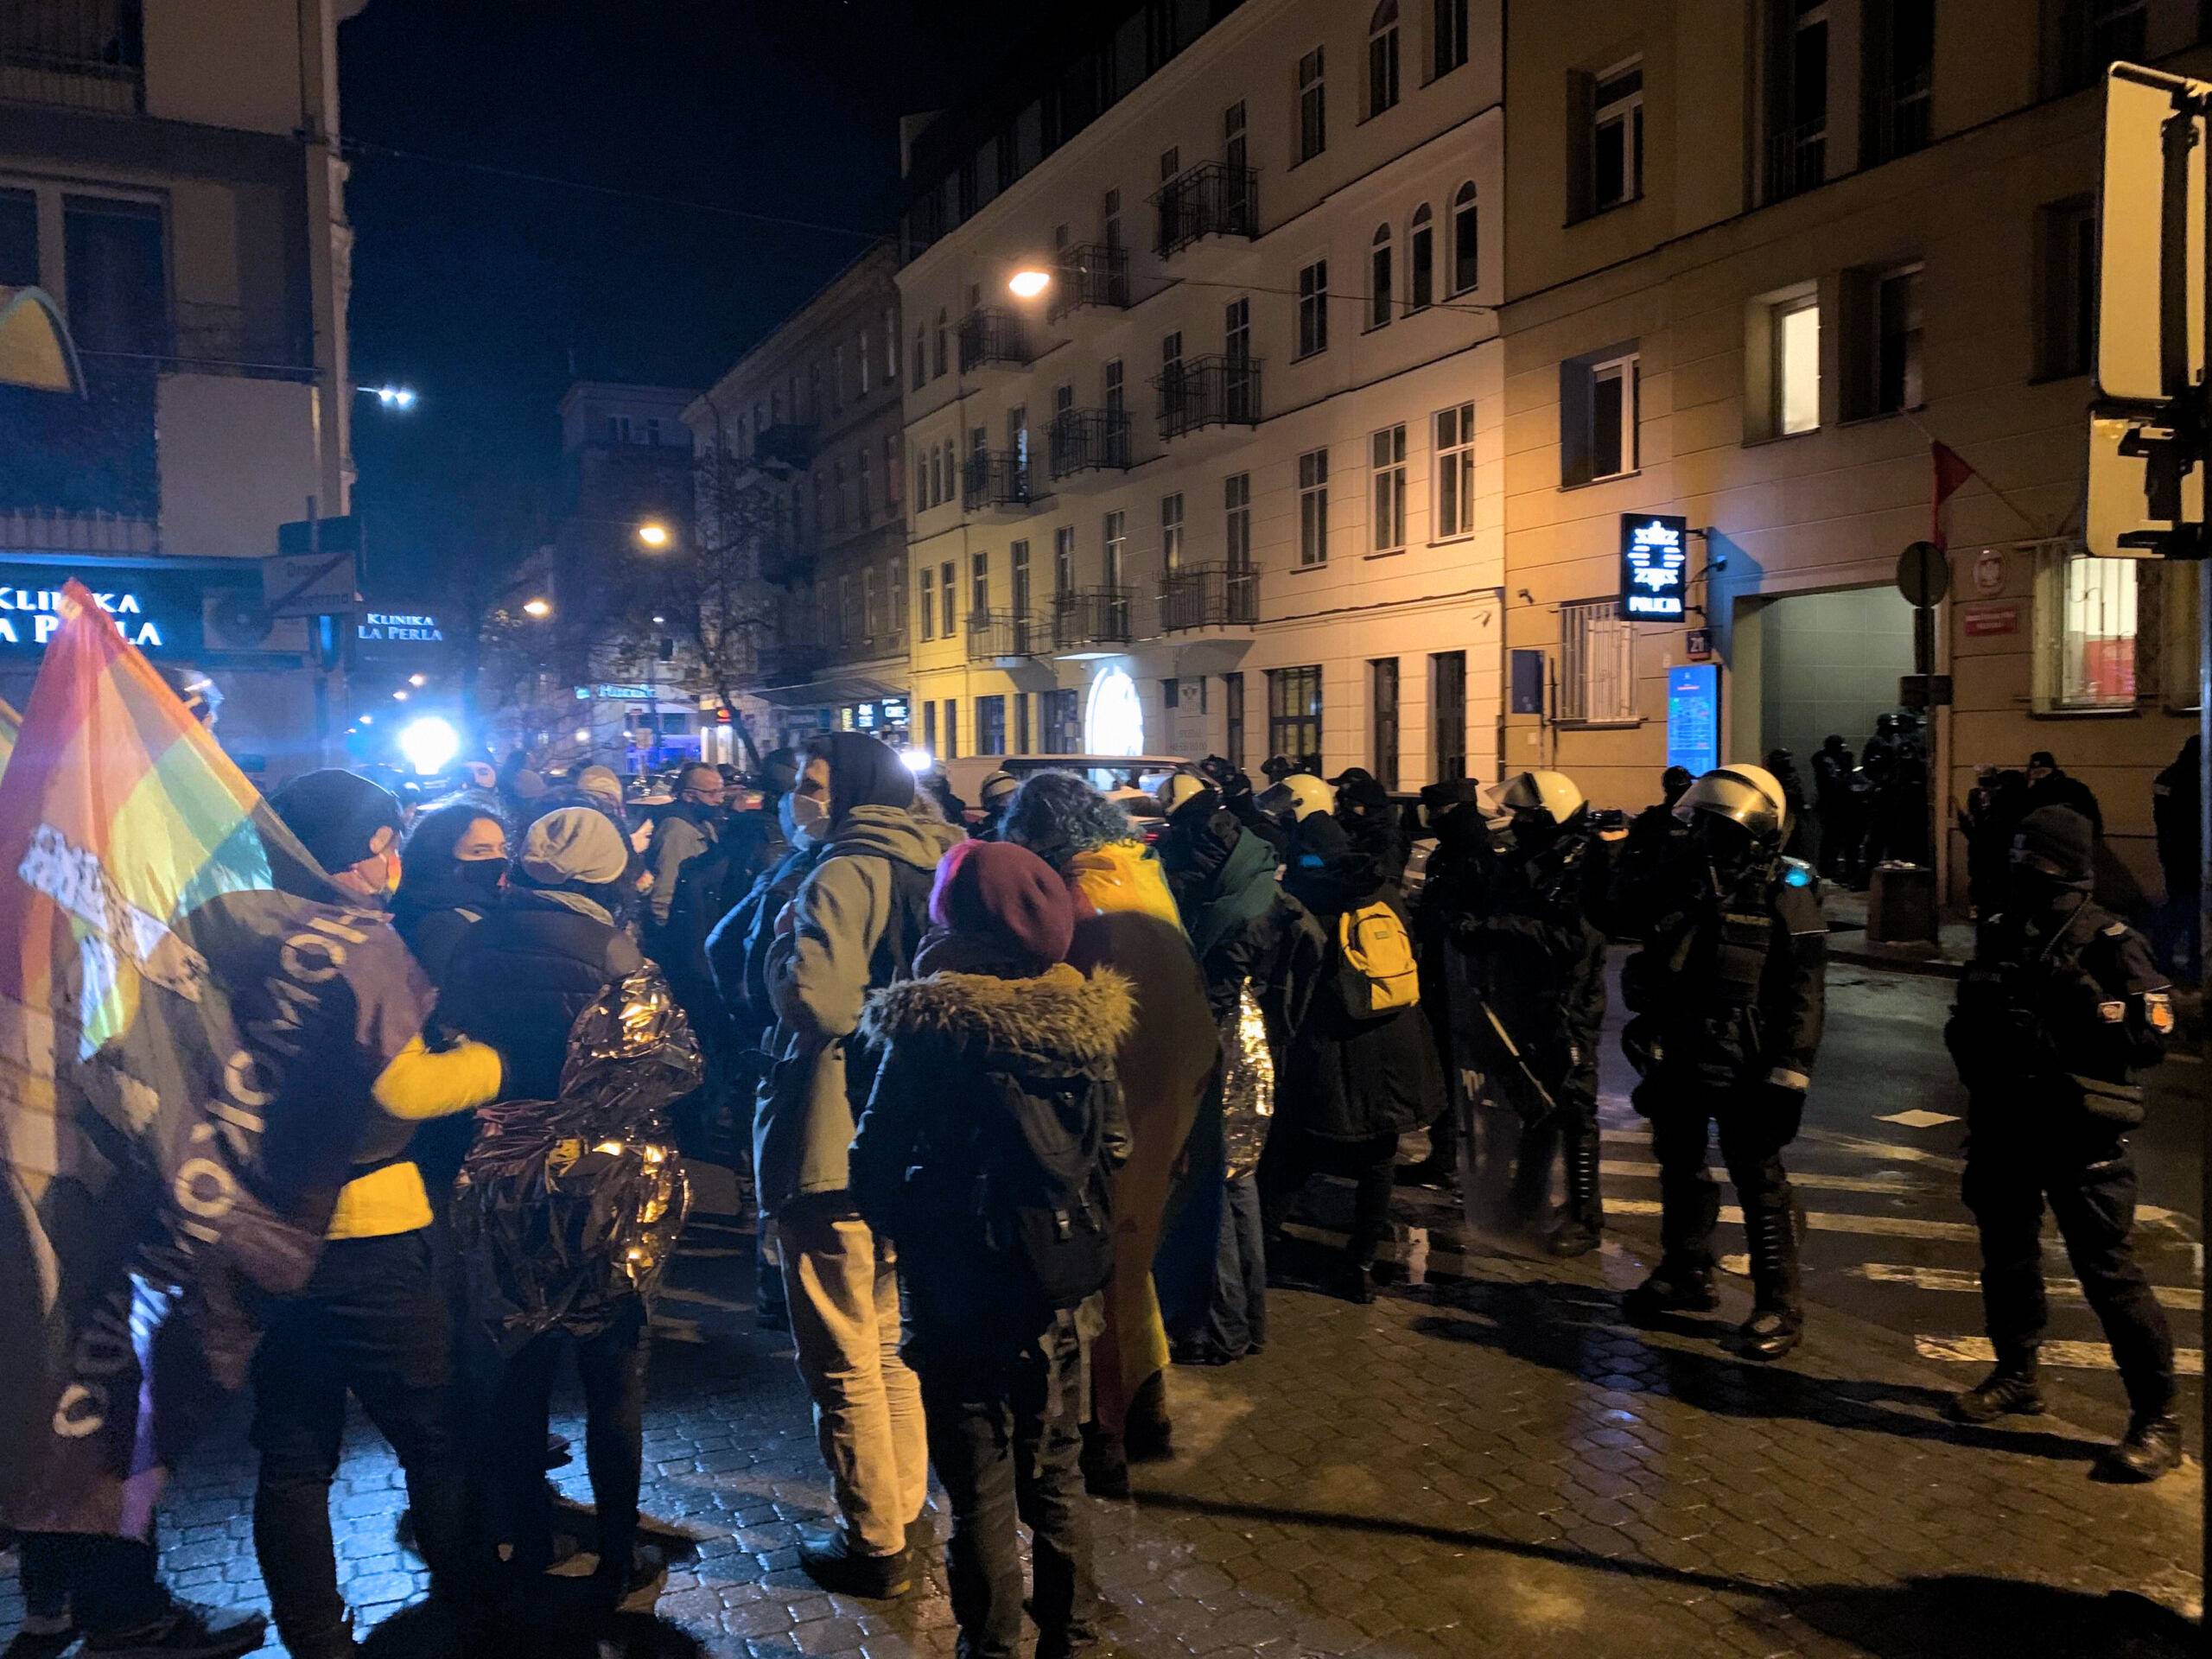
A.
pixel 1060 1021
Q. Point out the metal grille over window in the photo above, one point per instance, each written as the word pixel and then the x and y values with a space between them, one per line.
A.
pixel 1597 676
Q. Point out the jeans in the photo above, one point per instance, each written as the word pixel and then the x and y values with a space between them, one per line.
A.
pixel 108 1583
pixel 611 1364
pixel 843 1290
pixel 373 1320
pixel 2088 1175
pixel 1292 1158
pixel 1005 1432
pixel 1234 1322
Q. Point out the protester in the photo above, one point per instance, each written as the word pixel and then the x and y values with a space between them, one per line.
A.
pixel 995 790
pixel 1127 921
pixel 1359 1070
pixel 1369 817
pixel 998 1051
pixel 1260 954
pixel 372 1320
pixel 451 870
pixel 2176 798
pixel 520 980
pixel 855 924
pixel 677 918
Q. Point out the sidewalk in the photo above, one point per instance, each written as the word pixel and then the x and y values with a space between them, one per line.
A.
pixel 1847 941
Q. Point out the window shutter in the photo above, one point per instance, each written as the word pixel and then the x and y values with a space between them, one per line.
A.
pixel 1582 117
pixel 1574 418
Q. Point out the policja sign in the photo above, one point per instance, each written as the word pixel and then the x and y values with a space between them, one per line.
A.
pixel 1655 566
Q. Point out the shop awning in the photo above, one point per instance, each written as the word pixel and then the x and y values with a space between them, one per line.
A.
pixel 34 346
pixel 837 688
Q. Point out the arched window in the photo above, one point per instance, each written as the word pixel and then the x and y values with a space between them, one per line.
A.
pixel 1382 58
pixel 1420 260
pixel 1465 243
pixel 921 357
pixel 940 359
pixel 1379 278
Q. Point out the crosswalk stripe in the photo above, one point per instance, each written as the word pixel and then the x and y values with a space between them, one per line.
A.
pixel 1825 1221
pixel 2067 1355
pixel 1897 1185
pixel 2180 1297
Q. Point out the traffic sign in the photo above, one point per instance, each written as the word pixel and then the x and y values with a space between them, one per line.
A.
pixel 1924 573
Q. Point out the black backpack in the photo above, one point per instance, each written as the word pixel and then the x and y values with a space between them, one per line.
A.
pixel 1041 1184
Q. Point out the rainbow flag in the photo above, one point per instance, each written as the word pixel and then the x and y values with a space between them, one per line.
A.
pixel 160 1156
pixel 10 722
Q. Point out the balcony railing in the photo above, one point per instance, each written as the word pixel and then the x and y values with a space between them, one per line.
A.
pixel 1213 198
pixel 1089 440
pixel 994 635
pixel 1096 273
pixel 988 337
pixel 1797 159
pixel 1096 616
pixel 1203 392
pixel 1896 122
pixel 1209 596
pixel 787 447
pixel 83 54
pixel 996 479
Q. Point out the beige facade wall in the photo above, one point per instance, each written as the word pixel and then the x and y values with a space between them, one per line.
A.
pixel 1684 279
pixel 1438 593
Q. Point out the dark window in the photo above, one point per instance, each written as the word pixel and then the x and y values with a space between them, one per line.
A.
pixel 1312 110
pixel 1313 308
pixel 1597 416
pixel 119 282
pixel 2068 284
pixel 18 238
pixel 1059 717
pixel 1295 714
pixel 1617 138
pixel 1899 54
pixel 1798 96
pixel 1448 37
pixel 1382 58
pixel 951 730
pixel 1021 722
pixel 1467 246
pixel 1233 705
pixel 1421 259
pixel 1384 674
pixel 1897 309
pixel 2093 34
pixel 991 724
pixel 1447 717
pixel 929 727
pixel 1379 280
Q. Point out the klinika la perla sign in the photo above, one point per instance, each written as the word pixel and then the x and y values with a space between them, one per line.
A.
pixel 29 616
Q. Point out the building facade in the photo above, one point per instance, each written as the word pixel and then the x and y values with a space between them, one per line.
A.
pixel 1231 480
pixel 1761 258
pixel 808 426
pixel 170 175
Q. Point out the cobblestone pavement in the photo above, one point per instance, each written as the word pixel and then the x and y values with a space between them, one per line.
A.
pixel 1488 1463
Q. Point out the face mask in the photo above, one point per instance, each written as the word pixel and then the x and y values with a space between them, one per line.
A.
pixel 484 874
pixel 803 817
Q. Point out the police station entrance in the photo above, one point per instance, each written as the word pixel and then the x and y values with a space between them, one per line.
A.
pixel 1808 664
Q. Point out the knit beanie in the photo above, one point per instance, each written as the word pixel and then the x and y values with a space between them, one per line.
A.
pixel 527 785
pixel 602 785
pixel 2061 835
pixel 1004 895
pixel 576 844
pixel 336 816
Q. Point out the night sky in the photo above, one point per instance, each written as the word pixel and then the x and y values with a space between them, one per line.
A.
pixel 475 288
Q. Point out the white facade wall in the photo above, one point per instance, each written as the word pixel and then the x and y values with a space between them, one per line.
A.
pixel 1437 595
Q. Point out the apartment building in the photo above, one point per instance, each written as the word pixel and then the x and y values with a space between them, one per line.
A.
pixel 1762 258
pixel 809 423
pixel 1222 470
pixel 169 176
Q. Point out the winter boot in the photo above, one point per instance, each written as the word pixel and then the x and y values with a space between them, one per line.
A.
pixel 1673 1288
pixel 2011 1391
pixel 2151 1447
pixel 1586 1206
pixel 1778 1321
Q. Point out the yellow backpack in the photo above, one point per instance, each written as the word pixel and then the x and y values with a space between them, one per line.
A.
pixel 1380 975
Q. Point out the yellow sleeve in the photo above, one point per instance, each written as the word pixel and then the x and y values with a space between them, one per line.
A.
pixel 419 1085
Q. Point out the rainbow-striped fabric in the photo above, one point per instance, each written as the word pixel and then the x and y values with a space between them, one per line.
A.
pixel 10 722
pixel 155 1154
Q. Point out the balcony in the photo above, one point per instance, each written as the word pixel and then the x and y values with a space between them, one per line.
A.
pixel 1086 617
pixel 1211 199
pixel 1209 597
pixel 1095 274
pixel 991 338
pixel 1005 637
pixel 1797 159
pixel 79 55
pixel 1896 122
pixel 1208 391
pixel 997 481
pixel 1089 441
pixel 784 449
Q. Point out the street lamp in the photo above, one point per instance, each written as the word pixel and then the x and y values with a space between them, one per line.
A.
pixel 401 397
pixel 418 681
pixel 536 607
pixel 1029 282
pixel 653 533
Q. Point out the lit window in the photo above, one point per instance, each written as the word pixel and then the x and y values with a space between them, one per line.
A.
pixel 1597 681
pixel 2088 659
pixel 1797 366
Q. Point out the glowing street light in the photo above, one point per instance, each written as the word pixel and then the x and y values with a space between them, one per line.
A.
pixel 429 745
pixel 1029 282
pixel 536 607
pixel 399 696
pixel 653 533
pixel 417 680
pixel 400 397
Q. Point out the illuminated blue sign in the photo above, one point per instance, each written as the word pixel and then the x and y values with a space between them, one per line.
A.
pixel 1693 718
pixel 1655 566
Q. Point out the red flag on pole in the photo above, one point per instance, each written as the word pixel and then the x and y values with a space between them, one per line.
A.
pixel 1952 470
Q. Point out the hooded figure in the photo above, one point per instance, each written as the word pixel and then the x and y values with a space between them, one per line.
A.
pixel 1365 810
pixel 852 926
pixel 1127 921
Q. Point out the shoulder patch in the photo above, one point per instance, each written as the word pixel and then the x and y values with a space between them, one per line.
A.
pixel 2117 930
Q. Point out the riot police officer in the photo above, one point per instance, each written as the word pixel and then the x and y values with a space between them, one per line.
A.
pixel 1536 990
pixel 1730 992
pixel 2061 1008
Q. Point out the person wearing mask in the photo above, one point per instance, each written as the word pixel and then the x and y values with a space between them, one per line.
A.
pixel 1127 920
pixel 1631 876
pixel 685 837
pixel 1259 955
pixel 1730 992
pixel 2060 1012
pixel 1835 802
pixel 520 980
pixel 451 870
pixel 1359 1069
pixel 372 1319
pixel 994 1052
pixel 1364 809
pixel 852 926
pixel 2176 798
pixel 1461 867
pixel 1537 966
pixel 995 793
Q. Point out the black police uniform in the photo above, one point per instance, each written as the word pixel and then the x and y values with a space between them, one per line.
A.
pixel 1732 994
pixel 2055 1014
